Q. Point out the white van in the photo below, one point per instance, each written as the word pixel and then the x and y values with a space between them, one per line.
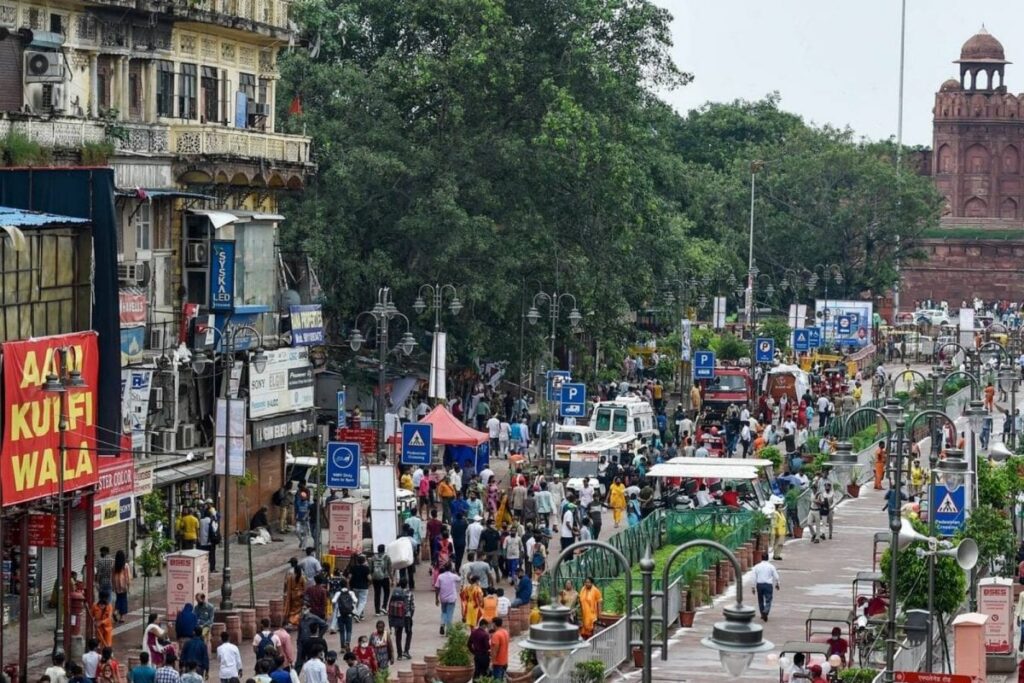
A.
pixel 626 415
pixel 567 437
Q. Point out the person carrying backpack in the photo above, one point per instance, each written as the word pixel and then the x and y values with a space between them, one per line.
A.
pixel 380 567
pixel 264 640
pixel 400 611
pixel 344 608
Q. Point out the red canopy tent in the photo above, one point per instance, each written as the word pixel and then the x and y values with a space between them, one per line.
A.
pixel 463 443
pixel 448 431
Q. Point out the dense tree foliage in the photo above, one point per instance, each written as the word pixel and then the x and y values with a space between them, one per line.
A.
pixel 508 147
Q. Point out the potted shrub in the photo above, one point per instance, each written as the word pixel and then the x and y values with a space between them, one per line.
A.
pixel 590 671
pixel 855 675
pixel 454 663
pixel 853 482
pixel 613 605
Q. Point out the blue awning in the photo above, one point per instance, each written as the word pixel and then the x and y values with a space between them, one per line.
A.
pixel 162 193
pixel 21 218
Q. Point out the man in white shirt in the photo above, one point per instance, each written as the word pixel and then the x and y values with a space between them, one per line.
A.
pixel 91 659
pixel 473 532
pixel 56 673
pixel 421 410
pixel 766 582
pixel 567 530
pixel 314 670
pixel 229 659
pixel 455 478
pixel 586 494
pixel 485 475
pixel 417 477
pixel 702 451
pixel 504 437
pixel 493 431
pixel 703 497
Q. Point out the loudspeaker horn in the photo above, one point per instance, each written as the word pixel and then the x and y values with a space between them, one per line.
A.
pixel 908 534
pixel 999 452
pixel 966 553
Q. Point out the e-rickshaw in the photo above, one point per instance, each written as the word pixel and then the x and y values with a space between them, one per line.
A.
pixel 793 647
pixel 821 621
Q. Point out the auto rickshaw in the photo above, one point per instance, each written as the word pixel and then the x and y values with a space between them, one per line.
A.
pixel 818 651
pixel 821 621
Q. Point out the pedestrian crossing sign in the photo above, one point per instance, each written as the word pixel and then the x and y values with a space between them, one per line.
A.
pixel 416 440
pixel 947 506
pixel 949 509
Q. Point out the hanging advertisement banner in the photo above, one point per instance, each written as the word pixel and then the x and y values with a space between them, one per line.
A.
pixel 31 438
pixel 307 323
pixel 237 437
pixel 135 389
pixel 284 385
pixel 222 275
pixel 115 492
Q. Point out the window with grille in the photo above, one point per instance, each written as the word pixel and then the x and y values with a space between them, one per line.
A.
pixel 45 286
pixel 165 88
pixel 187 92
pixel 210 85
pixel 143 228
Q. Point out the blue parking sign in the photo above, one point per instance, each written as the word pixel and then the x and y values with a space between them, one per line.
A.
pixel 765 348
pixel 704 365
pixel 572 399
pixel 342 465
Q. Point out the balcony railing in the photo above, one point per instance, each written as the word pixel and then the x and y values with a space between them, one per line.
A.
pixel 180 139
pixel 218 140
pixel 268 12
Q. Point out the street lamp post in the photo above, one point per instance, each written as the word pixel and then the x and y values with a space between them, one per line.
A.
pixel 897 430
pixel 67 377
pixel 737 639
pixel 554 301
pixel 383 312
pixel 228 346
pixel 435 302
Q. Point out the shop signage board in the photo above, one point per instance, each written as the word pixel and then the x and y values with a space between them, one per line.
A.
pixel 922 677
pixel 136 385
pixel 307 323
pixel 236 438
pixel 42 531
pixel 222 275
pixel 115 492
pixel 345 537
pixel 143 481
pixel 281 429
pixel 285 385
pixel 31 440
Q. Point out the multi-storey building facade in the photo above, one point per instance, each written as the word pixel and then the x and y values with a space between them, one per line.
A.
pixel 178 96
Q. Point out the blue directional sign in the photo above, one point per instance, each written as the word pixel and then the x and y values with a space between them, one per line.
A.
pixel 417 443
pixel 341 409
pixel 949 510
pixel 556 378
pixel 844 324
pixel 573 400
pixel 814 337
pixel 801 339
pixel 342 465
pixel 704 365
pixel 764 350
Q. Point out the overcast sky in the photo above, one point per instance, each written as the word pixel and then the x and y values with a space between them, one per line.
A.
pixel 835 62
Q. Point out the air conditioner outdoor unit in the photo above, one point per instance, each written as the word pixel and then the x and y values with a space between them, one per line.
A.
pixel 261 109
pixel 186 436
pixel 132 273
pixel 157 339
pixel 44 67
pixel 164 442
pixel 197 254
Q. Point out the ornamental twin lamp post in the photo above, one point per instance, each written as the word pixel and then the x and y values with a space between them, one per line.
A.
pixel 737 639
pixel 953 471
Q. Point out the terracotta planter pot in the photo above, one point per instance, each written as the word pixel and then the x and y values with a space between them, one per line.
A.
pixel 215 632
pixel 853 490
pixel 798 532
pixel 686 619
pixel 248 617
pixel 430 662
pixel 276 612
pixel 519 676
pixel 606 619
pixel 262 612
pixel 453 674
pixel 638 657
pixel 417 675
pixel 407 677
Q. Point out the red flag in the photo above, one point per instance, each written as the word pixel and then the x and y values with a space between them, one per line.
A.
pixel 296 106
